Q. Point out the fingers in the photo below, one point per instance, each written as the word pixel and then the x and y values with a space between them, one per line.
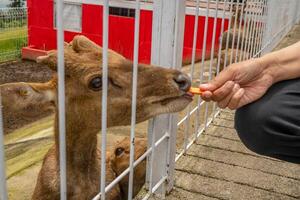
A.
pixel 223 91
pixel 225 76
pixel 236 98
pixel 229 95
pixel 207 96
pixel 219 94
pixel 225 101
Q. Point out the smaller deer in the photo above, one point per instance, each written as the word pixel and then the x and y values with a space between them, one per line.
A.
pixel 26 100
pixel 120 162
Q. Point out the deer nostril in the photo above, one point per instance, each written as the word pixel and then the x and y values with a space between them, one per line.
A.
pixel 183 82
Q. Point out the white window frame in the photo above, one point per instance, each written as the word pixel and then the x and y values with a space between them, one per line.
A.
pixel 79 30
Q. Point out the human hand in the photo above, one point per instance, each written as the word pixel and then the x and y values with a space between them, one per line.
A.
pixel 239 84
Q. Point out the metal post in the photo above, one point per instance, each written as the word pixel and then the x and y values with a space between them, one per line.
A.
pixel 245 31
pixel 227 39
pixel 167 41
pixel 212 51
pixel 104 97
pixel 195 36
pixel 241 29
pixel 202 64
pixel 134 94
pixel 3 187
pixel 220 50
pixel 237 4
pixel 61 100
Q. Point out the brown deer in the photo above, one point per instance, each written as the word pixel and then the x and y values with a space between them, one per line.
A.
pixel 159 91
pixel 26 100
pixel 120 162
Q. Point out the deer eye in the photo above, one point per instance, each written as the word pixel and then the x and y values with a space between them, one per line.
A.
pixel 23 92
pixel 119 151
pixel 96 84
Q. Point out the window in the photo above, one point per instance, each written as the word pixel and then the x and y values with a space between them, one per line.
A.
pixel 72 17
pixel 126 12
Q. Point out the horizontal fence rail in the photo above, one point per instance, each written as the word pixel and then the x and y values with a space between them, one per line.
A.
pixel 229 31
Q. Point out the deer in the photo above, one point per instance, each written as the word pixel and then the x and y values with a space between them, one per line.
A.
pixel 27 100
pixel 120 162
pixel 159 90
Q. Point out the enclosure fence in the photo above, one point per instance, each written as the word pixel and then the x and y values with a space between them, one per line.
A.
pixel 13 32
pixel 253 28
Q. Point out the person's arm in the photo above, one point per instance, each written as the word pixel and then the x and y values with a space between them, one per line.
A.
pixel 283 64
pixel 245 82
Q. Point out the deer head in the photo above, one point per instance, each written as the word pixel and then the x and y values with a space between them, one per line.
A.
pixel 159 90
pixel 28 99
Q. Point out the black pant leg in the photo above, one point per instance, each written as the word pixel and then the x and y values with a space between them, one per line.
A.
pixel 271 125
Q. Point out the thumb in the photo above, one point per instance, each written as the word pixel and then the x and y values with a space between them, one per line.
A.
pixel 218 81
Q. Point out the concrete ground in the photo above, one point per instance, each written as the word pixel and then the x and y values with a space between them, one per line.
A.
pixel 218 165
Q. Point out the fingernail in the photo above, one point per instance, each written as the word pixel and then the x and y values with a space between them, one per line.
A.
pixel 205 86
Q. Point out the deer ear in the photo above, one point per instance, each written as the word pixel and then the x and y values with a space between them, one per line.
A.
pixel 49 60
pixel 82 44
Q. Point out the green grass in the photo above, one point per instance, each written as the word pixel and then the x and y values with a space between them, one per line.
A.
pixel 11 42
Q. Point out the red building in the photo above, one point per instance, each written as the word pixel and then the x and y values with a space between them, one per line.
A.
pixel 85 17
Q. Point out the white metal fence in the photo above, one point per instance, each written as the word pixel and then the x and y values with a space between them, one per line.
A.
pixel 256 27
pixel 13 32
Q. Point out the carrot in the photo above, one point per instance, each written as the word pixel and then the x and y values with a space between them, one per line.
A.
pixel 195 90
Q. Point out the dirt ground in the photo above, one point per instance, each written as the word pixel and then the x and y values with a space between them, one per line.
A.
pixel 24 71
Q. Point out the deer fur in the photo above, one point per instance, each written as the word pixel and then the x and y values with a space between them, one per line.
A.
pixel 157 93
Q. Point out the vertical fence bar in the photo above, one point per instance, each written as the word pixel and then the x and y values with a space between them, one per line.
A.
pixel 167 41
pixel 134 94
pixel 104 97
pixel 220 49
pixel 258 28
pixel 264 27
pixel 61 100
pixel 237 4
pixel 212 52
pixel 245 30
pixel 202 63
pixel 240 31
pixel 3 187
pixel 254 31
pixel 251 30
pixel 195 36
pixel 157 6
pixel 228 35
pixel 249 16
pixel 176 64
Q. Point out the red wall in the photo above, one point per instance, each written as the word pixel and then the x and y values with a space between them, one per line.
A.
pixel 42 35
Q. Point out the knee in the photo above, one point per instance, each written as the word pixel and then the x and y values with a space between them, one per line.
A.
pixel 252 123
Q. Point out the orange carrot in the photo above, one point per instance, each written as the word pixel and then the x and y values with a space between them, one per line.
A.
pixel 195 90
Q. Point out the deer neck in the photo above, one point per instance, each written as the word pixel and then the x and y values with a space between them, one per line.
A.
pixel 81 145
